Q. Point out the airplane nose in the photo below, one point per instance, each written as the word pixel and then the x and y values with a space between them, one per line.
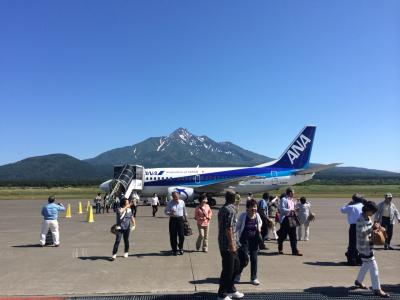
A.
pixel 106 186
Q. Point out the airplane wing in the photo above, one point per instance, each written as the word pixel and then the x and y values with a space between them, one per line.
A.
pixel 220 186
pixel 317 168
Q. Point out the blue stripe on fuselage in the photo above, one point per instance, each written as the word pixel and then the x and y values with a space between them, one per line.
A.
pixel 215 177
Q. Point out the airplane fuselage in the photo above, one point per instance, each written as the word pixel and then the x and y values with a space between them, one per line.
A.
pixel 158 180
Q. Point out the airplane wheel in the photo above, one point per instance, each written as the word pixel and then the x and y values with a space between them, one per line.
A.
pixel 212 202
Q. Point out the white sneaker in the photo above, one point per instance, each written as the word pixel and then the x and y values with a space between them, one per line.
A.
pixel 114 257
pixel 306 239
pixel 237 278
pixel 225 298
pixel 255 282
pixel 126 254
pixel 236 295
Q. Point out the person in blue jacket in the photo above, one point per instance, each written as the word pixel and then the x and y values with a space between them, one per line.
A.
pixel 50 220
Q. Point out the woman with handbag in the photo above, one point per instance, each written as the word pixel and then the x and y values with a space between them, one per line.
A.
pixel 248 229
pixel 202 215
pixel 124 219
pixel 289 221
pixel 364 232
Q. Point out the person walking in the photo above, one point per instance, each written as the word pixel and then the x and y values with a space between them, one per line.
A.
pixel 364 229
pixel 263 213
pixel 124 220
pixel 202 215
pixel 154 204
pixel 273 204
pixel 228 249
pixel 97 202
pixel 176 210
pixel 386 215
pixel 134 202
pixel 50 220
pixel 303 213
pixel 237 201
pixel 106 205
pixel 286 211
pixel 353 211
pixel 248 229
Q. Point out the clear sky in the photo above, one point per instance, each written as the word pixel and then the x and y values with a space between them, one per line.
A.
pixel 83 77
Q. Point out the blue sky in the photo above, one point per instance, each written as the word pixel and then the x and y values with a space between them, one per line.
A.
pixel 83 77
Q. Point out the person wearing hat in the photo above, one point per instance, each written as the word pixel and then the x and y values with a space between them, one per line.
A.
pixel 287 210
pixel 386 215
pixel 353 211
pixel 50 220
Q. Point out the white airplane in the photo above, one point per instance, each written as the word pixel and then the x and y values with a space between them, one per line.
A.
pixel 291 168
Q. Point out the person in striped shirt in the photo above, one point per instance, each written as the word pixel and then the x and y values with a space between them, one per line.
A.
pixel 364 229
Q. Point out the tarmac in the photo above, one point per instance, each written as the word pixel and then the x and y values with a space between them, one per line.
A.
pixel 81 265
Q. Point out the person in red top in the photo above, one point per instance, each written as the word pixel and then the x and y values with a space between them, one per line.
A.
pixel 202 215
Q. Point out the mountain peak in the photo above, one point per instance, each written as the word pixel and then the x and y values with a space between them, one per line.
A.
pixel 181 133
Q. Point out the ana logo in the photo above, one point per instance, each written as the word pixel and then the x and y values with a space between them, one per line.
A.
pixel 297 148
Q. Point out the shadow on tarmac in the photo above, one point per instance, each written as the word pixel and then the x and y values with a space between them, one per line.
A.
pixel 28 246
pixel 326 263
pixel 208 280
pixel 340 291
pixel 95 258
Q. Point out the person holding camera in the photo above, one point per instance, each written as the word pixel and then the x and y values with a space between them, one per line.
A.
pixel 353 211
pixel 50 220
pixel 124 220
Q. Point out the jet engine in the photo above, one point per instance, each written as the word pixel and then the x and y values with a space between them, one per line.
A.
pixel 186 194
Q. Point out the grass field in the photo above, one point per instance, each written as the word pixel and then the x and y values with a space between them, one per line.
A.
pixel 311 191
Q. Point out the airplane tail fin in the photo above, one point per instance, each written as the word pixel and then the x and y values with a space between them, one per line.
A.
pixel 297 155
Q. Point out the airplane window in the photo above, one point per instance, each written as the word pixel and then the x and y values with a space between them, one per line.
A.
pixel 151 178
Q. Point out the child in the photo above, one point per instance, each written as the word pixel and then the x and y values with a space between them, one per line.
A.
pixel 303 213
pixel 365 248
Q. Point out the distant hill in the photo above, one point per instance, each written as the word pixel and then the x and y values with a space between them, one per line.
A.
pixel 53 168
pixel 179 149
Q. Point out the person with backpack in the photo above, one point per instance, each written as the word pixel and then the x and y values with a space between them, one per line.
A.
pixel 124 220
pixel 202 215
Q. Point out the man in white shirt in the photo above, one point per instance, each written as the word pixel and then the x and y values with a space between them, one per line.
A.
pixel 353 211
pixel 154 204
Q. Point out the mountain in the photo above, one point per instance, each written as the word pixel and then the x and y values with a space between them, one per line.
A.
pixel 180 149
